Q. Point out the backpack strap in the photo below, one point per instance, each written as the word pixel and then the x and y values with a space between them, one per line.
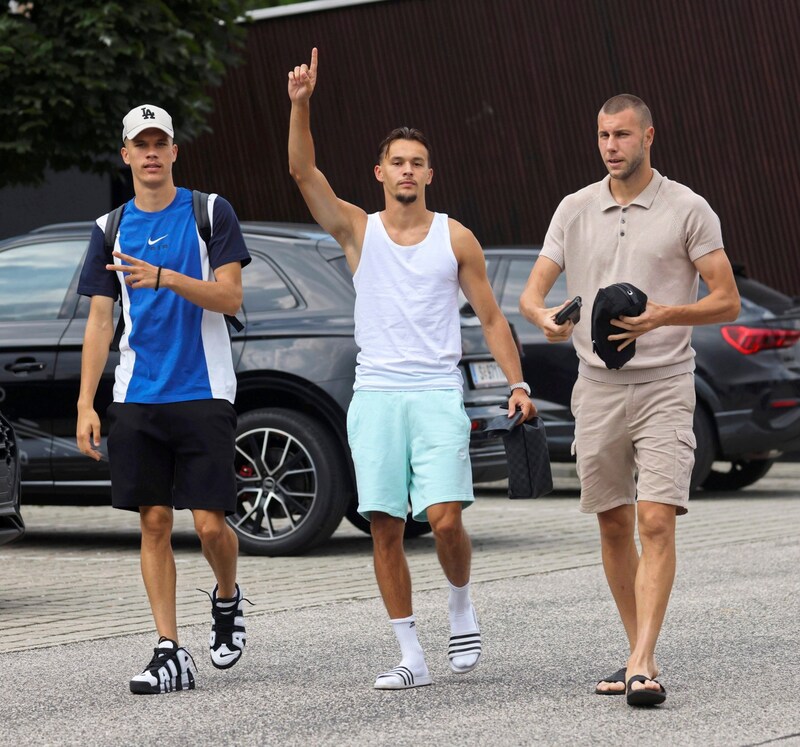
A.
pixel 201 216
pixel 113 220
pixel 203 220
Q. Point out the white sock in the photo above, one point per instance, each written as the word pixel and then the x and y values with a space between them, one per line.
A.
pixel 405 629
pixel 462 616
pixel 463 620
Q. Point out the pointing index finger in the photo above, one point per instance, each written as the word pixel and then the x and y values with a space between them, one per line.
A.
pixel 314 58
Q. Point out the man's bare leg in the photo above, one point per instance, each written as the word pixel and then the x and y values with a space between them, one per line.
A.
pixel 453 545
pixel 220 548
pixel 454 550
pixel 394 582
pixel 391 566
pixel 654 579
pixel 158 567
pixel 620 563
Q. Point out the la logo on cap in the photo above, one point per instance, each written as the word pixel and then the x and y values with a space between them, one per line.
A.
pixel 144 117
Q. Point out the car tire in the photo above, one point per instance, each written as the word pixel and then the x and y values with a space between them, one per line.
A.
pixel 289 484
pixel 743 472
pixel 706 447
pixel 413 528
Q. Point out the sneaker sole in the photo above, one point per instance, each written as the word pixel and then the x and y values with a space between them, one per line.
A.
pixel 142 688
pixel 229 664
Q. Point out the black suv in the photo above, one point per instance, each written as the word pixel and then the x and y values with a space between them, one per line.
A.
pixel 747 376
pixel 295 363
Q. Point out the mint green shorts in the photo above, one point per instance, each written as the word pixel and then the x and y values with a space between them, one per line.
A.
pixel 409 445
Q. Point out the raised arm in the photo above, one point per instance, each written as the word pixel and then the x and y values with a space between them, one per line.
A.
pixel 345 222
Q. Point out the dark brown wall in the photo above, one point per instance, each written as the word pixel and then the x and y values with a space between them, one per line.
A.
pixel 508 92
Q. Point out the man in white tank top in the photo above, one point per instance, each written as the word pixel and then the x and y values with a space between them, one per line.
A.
pixel 407 428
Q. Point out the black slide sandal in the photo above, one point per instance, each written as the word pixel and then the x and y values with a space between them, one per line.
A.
pixel 644 697
pixel 618 676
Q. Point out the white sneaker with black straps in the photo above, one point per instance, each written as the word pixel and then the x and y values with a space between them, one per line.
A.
pixel 228 636
pixel 171 668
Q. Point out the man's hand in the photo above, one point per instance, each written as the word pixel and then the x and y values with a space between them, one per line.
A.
pixel 654 316
pixel 552 331
pixel 138 273
pixel 520 400
pixel 88 432
pixel 302 80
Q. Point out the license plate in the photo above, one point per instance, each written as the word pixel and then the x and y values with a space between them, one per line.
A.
pixel 486 374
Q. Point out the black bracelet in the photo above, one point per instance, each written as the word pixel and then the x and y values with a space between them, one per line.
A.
pixel 158 278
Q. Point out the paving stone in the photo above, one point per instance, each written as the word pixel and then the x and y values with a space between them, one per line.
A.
pixel 75 575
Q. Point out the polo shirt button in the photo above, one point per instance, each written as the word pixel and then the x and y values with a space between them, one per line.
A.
pixel 623 220
pixel 624 210
pixel 622 233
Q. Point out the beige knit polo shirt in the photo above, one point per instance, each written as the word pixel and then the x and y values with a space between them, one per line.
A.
pixel 651 243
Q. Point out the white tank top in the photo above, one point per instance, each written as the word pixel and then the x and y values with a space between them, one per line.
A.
pixel 408 326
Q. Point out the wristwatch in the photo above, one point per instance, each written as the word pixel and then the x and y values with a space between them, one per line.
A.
pixel 521 385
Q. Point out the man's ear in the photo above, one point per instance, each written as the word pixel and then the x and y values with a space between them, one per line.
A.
pixel 123 151
pixel 430 176
pixel 379 173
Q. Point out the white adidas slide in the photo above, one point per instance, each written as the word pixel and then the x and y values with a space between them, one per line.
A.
pixel 464 647
pixel 401 678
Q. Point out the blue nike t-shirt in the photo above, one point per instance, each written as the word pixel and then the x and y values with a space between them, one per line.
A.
pixel 171 350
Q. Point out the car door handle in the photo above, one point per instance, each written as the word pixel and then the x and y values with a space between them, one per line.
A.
pixel 25 366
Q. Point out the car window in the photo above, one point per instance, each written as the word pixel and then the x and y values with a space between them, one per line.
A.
pixel 748 306
pixel 763 295
pixel 517 276
pixel 34 279
pixel 264 289
pixel 340 265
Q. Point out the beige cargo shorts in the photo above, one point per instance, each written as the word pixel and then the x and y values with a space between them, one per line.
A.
pixel 634 442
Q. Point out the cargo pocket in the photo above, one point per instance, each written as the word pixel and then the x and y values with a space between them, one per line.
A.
pixel 685 444
pixel 573 450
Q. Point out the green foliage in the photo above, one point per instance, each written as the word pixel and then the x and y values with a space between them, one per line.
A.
pixel 69 72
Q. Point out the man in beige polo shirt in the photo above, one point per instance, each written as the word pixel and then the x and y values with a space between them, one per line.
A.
pixel 634 442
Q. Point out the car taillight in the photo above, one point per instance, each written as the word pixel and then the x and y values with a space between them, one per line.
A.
pixel 750 340
pixel 780 404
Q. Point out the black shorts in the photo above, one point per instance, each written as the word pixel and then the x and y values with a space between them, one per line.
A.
pixel 178 454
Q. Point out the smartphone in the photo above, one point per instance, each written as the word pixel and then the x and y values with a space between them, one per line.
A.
pixel 571 312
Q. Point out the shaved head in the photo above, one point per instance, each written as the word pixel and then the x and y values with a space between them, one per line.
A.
pixel 617 104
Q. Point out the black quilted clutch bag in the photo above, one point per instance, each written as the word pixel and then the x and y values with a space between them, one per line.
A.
pixel 529 474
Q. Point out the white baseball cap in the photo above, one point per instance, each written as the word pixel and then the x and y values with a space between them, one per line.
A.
pixel 144 117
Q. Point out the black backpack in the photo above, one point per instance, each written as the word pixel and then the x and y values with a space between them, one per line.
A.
pixel 203 220
pixel 612 302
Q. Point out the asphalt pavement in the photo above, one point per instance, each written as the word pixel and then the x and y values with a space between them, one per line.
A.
pixel 76 627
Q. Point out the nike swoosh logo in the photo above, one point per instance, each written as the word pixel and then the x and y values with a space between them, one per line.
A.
pixel 150 242
pixel 226 657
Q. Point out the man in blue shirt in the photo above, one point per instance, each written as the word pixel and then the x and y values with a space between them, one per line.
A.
pixel 171 442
